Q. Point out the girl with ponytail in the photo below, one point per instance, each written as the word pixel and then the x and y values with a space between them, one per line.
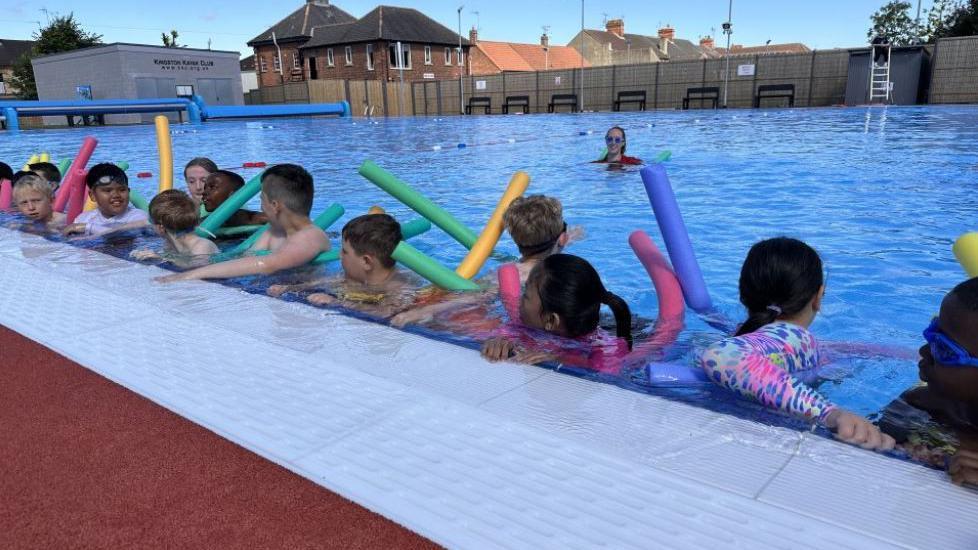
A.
pixel 781 285
pixel 563 296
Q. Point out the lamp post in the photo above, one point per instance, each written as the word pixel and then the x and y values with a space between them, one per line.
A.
pixel 727 30
pixel 582 58
pixel 461 90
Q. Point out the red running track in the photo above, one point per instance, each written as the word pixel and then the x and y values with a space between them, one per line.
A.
pixel 87 463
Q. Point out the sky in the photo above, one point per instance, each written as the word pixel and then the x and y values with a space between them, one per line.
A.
pixel 229 24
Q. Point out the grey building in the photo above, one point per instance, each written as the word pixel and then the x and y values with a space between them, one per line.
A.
pixel 138 71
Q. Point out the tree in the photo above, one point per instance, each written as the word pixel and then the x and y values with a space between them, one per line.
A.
pixel 955 18
pixel 62 34
pixel 170 41
pixel 893 22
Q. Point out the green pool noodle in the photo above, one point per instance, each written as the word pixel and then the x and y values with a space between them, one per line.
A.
pixel 604 153
pixel 662 157
pixel 123 164
pixel 409 230
pixel 209 226
pixel 203 212
pixel 417 202
pixel 323 221
pixel 424 266
pixel 63 165
pixel 138 200
pixel 237 230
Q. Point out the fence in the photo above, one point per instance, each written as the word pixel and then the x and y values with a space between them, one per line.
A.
pixel 819 78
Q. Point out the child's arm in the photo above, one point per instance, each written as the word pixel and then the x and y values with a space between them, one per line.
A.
pixel 277 290
pixel 426 313
pixel 246 217
pixel 204 247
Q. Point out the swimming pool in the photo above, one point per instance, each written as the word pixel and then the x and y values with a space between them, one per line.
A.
pixel 881 193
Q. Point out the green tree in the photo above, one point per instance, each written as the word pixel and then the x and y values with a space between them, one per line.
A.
pixel 955 18
pixel 893 22
pixel 171 40
pixel 62 34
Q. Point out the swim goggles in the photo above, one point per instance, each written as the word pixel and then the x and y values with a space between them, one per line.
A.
pixel 534 249
pixel 945 350
pixel 610 139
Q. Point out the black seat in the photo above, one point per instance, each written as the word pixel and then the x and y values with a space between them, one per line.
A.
pixel 557 100
pixel 634 96
pixel 769 91
pixel 479 102
pixel 710 93
pixel 517 101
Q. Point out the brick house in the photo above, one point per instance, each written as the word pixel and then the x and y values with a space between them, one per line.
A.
pixel 791 47
pixel 486 57
pixel 366 49
pixel 290 34
pixel 10 52
pixel 613 46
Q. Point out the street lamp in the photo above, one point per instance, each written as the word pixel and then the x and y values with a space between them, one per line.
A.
pixel 727 30
pixel 582 57
pixel 461 90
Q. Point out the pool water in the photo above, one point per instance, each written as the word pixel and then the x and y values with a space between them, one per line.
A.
pixel 881 193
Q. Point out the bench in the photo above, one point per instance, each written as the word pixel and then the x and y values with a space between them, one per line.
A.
pixel 634 96
pixel 478 102
pixel 517 101
pixel 557 100
pixel 710 93
pixel 779 91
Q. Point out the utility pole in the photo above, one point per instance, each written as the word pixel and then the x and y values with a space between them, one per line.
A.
pixel 582 57
pixel 727 30
pixel 461 89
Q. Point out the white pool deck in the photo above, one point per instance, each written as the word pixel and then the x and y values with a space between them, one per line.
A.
pixel 466 453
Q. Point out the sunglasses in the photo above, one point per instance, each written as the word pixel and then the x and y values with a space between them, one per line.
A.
pixel 613 139
pixel 945 350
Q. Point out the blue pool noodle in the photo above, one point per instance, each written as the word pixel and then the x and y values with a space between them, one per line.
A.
pixel 674 233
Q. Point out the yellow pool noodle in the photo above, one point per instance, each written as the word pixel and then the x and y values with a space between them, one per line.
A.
pixel 34 158
pixel 494 228
pixel 166 152
pixel 89 204
pixel 966 251
pixel 45 157
pixel 376 210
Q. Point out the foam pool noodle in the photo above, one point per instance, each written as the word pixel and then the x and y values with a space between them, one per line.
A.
pixel 33 158
pixel 966 251
pixel 509 291
pixel 165 147
pixel 208 228
pixel 409 230
pixel 45 157
pixel 431 270
pixel 70 180
pixel 323 221
pixel 6 194
pixel 479 253
pixel 78 196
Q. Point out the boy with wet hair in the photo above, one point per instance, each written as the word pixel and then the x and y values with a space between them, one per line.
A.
pixel 47 171
pixel 291 240
pixel 174 216
pixel 32 197
pixel 218 187
pixel 108 187
pixel 536 224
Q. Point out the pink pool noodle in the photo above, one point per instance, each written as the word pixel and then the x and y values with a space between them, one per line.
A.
pixel 509 291
pixel 672 306
pixel 70 181
pixel 6 194
pixel 77 201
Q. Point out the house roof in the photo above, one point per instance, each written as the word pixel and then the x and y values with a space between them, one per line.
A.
pixel 388 23
pixel 677 50
pixel 11 50
pixel 297 26
pixel 792 47
pixel 514 56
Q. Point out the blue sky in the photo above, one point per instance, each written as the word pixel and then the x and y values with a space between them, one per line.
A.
pixel 230 24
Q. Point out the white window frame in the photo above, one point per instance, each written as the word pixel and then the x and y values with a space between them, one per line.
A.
pixel 180 88
pixel 370 57
pixel 460 55
pixel 348 52
pixel 296 62
pixel 427 55
pixel 405 54
pixel 329 57
pixel 276 63
pixel 448 56
pixel 262 64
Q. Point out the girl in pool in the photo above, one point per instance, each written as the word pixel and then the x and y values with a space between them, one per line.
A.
pixel 563 297
pixel 781 285
pixel 615 142
pixel 195 174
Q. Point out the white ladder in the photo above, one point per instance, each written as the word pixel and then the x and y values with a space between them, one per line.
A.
pixel 879 75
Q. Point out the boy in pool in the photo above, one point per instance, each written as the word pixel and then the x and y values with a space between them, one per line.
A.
pixel 49 172
pixel 371 282
pixel 108 187
pixel 949 366
pixel 292 239
pixel 174 215
pixel 32 196
pixel 218 187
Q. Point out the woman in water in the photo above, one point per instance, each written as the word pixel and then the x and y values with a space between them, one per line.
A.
pixel 195 174
pixel 615 143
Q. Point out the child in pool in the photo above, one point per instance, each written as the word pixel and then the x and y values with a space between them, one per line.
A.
pixel 219 187
pixel 174 216
pixel 781 285
pixel 6 172
pixel 195 173
pixel 563 296
pixel 292 239
pixel 32 197
pixel 371 282
pixel 615 142
pixel 49 172
pixel 949 366
pixel 108 187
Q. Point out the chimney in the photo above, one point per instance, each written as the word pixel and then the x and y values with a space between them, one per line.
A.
pixel 707 42
pixel 545 40
pixel 667 33
pixel 474 36
pixel 616 27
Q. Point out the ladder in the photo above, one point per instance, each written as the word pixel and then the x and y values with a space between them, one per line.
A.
pixel 879 76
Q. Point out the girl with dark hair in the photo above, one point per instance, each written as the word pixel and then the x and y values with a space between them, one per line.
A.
pixel 781 285
pixel 563 296
pixel 195 174
pixel 615 143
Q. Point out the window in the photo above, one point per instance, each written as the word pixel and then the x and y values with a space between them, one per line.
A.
pixel 427 55
pixel 370 57
pixel 448 56
pixel 313 69
pixel 185 90
pixel 296 61
pixel 276 63
pixel 460 55
pixel 349 55
pixel 329 57
pixel 404 62
pixel 262 66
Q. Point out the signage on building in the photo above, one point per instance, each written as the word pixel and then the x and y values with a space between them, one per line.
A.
pixel 745 70
pixel 428 76
pixel 183 64
pixel 480 84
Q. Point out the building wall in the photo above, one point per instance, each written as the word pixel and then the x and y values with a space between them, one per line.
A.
pixel 357 70
pixel 6 90
pixel 271 77
pixel 480 64
pixel 249 81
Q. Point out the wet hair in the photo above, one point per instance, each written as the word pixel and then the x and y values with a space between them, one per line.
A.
pixel 21 174
pixel 203 162
pixel 6 172
pixel 291 185
pixel 33 182
pixel 779 278
pixel 624 139
pixel 47 171
pixel 966 295
pixel 174 210
pixel 535 223
pixel 374 234
pixel 96 176
pixel 237 182
pixel 570 287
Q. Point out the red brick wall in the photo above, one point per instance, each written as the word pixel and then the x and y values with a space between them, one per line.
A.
pixel 382 70
pixel 480 64
pixel 271 77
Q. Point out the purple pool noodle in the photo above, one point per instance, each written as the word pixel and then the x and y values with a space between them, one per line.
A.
pixel 677 239
pixel 675 374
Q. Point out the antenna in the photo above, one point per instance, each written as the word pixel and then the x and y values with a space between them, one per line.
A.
pixel 605 15
pixel 478 24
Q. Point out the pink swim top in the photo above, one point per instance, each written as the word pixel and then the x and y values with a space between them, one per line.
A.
pixel 598 350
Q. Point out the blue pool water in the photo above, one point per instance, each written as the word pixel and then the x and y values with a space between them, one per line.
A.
pixel 881 193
